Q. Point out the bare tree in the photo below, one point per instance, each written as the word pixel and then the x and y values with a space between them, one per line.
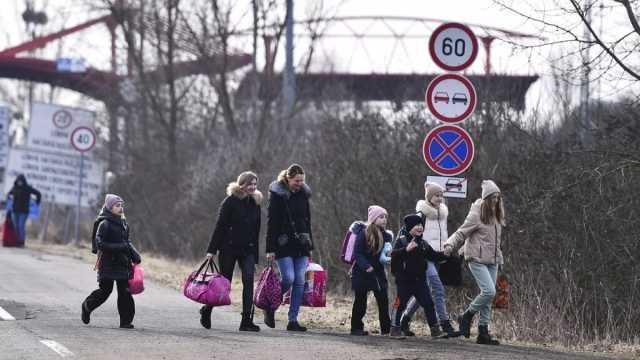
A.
pixel 616 43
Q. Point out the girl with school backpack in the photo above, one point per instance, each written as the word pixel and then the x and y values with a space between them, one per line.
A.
pixel 368 272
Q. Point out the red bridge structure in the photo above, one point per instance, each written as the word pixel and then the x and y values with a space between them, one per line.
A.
pixel 104 85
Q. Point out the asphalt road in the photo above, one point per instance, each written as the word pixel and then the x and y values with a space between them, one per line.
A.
pixel 44 292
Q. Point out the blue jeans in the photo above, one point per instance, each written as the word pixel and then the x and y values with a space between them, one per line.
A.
pixel 20 221
pixel 437 293
pixel 485 275
pixel 292 270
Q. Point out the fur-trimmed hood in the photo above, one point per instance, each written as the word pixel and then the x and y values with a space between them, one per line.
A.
pixel 430 212
pixel 280 189
pixel 236 190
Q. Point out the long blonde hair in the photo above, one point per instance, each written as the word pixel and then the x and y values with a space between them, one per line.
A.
pixel 490 214
pixel 375 239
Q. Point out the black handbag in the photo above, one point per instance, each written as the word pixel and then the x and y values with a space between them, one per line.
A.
pixel 450 271
pixel 303 239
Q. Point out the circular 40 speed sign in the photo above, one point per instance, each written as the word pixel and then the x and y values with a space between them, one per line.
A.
pixel 83 138
pixel 453 46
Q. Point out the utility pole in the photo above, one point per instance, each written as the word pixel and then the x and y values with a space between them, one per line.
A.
pixel 585 122
pixel 289 80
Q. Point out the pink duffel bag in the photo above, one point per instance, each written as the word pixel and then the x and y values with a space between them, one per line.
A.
pixel 268 293
pixel 136 283
pixel 315 287
pixel 208 287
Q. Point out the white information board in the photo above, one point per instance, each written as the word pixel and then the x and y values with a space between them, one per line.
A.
pixel 56 175
pixel 454 187
pixel 51 125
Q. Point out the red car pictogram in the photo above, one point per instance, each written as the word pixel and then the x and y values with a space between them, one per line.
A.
pixel 441 96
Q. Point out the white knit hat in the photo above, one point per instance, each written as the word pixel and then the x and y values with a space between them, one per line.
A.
pixel 488 188
pixel 431 189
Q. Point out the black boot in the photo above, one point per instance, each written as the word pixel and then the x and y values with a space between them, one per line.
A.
pixel 448 328
pixel 435 331
pixel 295 326
pixel 205 316
pixel 269 318
pixel 405 326
pixel 86 314
pixel 464 322
pixel 484 337
pixel 247 323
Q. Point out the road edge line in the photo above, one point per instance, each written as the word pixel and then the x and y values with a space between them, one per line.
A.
pixel 4 315
pixel 57 347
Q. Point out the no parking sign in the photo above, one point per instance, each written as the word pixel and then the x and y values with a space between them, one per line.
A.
pixel 448 150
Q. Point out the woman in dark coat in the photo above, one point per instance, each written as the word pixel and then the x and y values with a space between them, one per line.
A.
pixel 236 237
pixel 368 271
pixel 289 238
pixel 116 255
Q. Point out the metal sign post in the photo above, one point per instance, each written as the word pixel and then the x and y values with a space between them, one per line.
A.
pixel 83 139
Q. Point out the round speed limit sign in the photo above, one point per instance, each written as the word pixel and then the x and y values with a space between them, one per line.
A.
pixel 83 138
pixel 453 46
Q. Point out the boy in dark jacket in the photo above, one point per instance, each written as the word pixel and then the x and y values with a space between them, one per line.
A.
pixel 408 265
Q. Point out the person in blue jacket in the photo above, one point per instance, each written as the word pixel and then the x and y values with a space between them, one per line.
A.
pixel 368 270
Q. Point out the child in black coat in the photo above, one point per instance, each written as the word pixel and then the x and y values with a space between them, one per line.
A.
pixel 408 264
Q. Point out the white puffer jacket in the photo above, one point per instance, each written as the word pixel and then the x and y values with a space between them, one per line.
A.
pixel 435 224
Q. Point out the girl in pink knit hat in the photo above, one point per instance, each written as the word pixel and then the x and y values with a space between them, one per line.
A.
pixel 368 271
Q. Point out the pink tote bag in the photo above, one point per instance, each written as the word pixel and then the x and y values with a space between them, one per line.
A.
pixel 268 293
pixel 315 287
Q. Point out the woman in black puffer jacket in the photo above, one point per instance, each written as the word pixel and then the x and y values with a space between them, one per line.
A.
pixel 236 237
pixel 116 255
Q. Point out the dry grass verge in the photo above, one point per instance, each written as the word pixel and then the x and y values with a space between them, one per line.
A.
pixel 336 315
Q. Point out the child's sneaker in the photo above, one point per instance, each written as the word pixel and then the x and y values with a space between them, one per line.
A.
pixel 396 333
pixel 435 331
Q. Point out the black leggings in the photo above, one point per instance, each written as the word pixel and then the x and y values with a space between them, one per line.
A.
pixel 227 262
pixel 360 309
pixel 126 306
pixel 420 290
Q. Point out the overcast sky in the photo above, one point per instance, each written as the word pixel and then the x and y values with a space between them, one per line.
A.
pixel 380 55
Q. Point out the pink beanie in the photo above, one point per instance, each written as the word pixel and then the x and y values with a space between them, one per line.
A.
pixel 375 212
